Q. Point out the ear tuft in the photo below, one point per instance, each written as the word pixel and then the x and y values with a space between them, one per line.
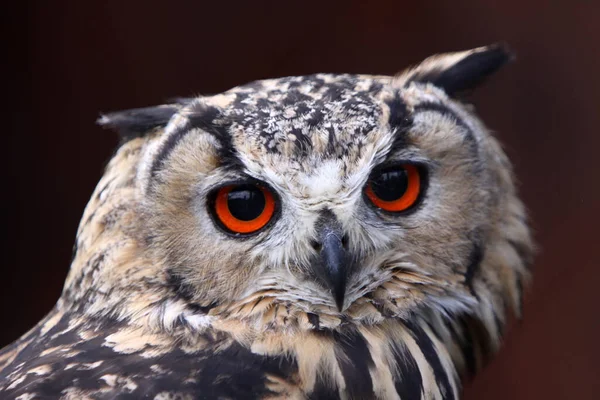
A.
pixel 139 121
pixel 456 73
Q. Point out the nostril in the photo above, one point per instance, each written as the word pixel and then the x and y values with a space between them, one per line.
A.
pixel 345 241
pixel 316 245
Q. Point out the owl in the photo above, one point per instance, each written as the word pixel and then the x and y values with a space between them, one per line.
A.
pixel 330 236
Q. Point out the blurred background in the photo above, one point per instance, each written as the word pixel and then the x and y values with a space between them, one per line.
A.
pixel 66 61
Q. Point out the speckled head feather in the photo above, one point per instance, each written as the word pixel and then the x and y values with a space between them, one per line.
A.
pixel 333 297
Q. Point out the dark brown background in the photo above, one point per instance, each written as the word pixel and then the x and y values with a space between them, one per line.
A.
pixel 67 61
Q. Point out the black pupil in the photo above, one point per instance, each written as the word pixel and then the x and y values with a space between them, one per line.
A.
pixel 390 184
pixel 246 202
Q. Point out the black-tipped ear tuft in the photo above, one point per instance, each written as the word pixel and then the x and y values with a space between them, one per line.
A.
pixel 138 121
pixel 456 73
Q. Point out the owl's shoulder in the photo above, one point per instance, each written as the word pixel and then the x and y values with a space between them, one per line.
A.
pixel 69 355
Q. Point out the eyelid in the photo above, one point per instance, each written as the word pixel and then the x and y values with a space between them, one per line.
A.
pixel 420 162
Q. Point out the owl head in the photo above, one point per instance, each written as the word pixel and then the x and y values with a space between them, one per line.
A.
pixel 314 201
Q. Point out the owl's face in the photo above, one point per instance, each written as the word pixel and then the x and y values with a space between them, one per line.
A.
pixel 332 197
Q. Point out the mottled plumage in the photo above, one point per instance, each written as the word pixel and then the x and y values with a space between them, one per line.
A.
pixel 162 303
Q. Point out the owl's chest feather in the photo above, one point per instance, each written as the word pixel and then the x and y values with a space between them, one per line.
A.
pixel 83 358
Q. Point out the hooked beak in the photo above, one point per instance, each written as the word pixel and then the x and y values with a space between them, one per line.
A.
pixel 333 265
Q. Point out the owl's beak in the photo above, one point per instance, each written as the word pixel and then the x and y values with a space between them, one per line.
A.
pixel 333 266
pixel 334 257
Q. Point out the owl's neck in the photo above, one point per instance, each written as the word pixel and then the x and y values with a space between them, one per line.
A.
pixel 404 357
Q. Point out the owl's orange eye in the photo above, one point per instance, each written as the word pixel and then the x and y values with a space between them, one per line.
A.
pixel 244 208
pixel 394 189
